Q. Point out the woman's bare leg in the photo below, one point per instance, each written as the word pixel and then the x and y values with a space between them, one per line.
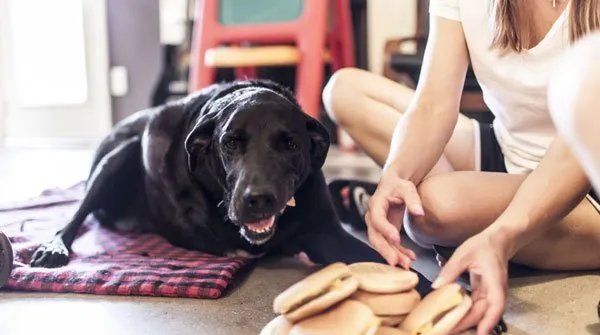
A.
pixel 471 201
pixel 368 106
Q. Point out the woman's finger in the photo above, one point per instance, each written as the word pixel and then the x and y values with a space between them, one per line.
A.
pixel 377 216
pixel 474 316
pixel 491 317
pixel 408 252
pixel 477 310
pixel 493 283
pixel 396 215
pixel 403 259
pixel 409 195
pixel 454 267
pixel 383 247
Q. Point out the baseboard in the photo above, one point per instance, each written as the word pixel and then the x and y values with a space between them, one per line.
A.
pixel 50 142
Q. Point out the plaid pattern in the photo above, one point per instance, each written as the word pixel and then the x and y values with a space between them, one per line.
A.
pixel 105 261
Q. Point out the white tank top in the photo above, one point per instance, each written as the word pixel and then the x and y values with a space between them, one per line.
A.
pixel 514 85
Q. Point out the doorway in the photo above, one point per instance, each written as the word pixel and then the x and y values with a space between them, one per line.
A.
pixel 54 71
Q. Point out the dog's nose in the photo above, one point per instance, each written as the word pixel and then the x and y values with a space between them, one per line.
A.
pixel 259 200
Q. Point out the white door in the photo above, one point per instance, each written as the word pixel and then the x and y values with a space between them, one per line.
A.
pixel 2 107
pixel 54 72
pixel 3 81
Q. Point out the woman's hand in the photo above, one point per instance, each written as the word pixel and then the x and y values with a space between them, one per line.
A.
pixel 385 215
pixel 487 262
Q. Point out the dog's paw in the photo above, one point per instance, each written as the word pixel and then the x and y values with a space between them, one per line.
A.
pixel 52 254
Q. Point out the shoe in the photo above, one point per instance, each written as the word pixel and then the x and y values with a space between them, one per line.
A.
pixel 350 199
pixel 6 259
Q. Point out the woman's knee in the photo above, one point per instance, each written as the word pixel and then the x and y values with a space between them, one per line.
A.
pixel 342 83
pixel 441 220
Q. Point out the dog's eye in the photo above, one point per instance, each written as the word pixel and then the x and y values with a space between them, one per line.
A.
pixel 291 145
pixel 231 144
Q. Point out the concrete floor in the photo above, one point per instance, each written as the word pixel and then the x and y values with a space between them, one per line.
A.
pixel 549 304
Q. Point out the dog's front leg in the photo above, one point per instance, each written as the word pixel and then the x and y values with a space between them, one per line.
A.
pixel 106 179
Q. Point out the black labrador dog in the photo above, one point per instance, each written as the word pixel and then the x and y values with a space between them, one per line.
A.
pixel 214 172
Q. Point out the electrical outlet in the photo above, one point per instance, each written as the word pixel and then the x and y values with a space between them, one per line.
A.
pixel 119 85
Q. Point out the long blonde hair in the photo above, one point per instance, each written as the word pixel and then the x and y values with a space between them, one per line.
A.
pixel 510 19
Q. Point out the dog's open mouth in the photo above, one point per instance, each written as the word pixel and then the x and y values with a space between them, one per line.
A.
pixel 261 231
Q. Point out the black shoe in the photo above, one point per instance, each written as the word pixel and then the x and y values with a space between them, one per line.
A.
pixel 6 259
pixel 350 199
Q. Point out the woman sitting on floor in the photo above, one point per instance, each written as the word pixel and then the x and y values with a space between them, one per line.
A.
pixel 510 190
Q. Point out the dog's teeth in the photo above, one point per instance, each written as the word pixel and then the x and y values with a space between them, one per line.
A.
pixel 291 202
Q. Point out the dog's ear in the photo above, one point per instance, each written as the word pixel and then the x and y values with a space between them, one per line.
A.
pixel 198 141
pixel 319 143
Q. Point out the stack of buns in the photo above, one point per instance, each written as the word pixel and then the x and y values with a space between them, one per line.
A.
pixel 365 299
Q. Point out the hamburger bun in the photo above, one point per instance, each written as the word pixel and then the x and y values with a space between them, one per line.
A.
pixel 278 326
pixel 391 320
pixel 389 304
pixel 383 278
pixel 348 318
pixel 316 292
pixel 389 331
pixel 439 312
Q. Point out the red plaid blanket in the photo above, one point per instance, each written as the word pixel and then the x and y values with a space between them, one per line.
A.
pixel 105 261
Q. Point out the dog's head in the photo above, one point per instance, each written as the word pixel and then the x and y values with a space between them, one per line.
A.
pixel 260 146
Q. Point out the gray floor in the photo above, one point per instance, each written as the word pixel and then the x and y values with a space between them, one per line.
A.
pixel 551 304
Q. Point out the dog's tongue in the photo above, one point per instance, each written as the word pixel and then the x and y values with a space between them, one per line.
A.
pixel 261 225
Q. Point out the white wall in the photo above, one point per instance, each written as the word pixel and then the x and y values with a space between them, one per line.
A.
pixel 388 19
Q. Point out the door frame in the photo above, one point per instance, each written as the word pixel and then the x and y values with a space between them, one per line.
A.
pixel 63 126
pixel 3 76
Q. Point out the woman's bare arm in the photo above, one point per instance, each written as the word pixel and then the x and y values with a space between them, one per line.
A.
pixel 547 195
pixel 560 182
pixel 422 133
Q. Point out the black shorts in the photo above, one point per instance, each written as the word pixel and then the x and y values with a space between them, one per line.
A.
pixel 492 158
